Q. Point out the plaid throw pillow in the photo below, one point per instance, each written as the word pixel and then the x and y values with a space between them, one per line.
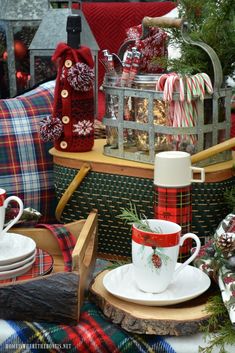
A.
pixel 26 168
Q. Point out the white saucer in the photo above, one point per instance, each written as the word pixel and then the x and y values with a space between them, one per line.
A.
pixel 17 263
pixel 15 247
pixel 16 271
pixel 190 283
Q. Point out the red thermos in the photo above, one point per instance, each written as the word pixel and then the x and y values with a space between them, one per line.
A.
pixel 173 175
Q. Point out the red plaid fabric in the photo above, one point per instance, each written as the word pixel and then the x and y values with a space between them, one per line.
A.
pixel 175 205
pixel 43 265
pixel 66 241
pixel 26 168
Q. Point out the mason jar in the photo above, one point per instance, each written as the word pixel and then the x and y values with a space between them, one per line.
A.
pixel 148 82
pixel 111 109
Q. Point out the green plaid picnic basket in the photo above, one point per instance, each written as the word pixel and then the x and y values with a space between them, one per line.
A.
pixel 84 181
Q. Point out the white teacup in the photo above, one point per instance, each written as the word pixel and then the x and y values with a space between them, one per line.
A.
pixel 154 255
pixel 4 201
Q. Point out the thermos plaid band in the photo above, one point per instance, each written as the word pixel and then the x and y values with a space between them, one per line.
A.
pixel 175 205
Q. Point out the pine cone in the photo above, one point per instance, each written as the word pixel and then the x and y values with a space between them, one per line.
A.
pixel 225 243
pixel 156 260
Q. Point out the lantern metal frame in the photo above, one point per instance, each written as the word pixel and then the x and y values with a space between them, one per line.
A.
pixel 13 16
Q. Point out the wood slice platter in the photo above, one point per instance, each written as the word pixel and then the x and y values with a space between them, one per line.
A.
pixel 174 320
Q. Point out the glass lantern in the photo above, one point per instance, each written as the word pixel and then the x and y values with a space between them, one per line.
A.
pixel 19 21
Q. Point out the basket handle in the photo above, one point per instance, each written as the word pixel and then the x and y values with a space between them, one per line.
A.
pixel 166 22
pixel 85 168
pixel 212 151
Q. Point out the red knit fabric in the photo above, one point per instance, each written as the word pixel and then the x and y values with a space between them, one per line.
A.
pixel 75 108
pixel 110 21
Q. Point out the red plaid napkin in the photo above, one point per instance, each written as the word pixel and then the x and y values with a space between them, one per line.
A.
pixel 66 242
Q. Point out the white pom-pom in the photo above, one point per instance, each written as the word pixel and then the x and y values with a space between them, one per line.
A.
pixel 81 77
pixel 50 128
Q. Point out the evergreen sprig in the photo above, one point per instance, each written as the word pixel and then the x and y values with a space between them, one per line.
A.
pixel 130 216
pixel 213 22
pixel 219 321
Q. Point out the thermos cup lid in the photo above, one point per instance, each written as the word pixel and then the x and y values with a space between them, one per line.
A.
pixel 172 169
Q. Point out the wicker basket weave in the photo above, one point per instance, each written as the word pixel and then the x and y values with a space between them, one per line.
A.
pixel 110 192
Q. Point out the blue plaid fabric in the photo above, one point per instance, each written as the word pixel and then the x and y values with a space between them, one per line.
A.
pixel 94 333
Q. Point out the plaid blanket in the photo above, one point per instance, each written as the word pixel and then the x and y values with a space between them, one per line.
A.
pixel 25 164
pixel 93 334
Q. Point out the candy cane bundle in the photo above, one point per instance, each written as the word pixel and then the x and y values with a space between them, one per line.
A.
pixel 183 112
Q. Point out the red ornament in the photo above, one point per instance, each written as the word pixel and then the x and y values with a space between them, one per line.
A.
pixel 20 50
pixel 5 55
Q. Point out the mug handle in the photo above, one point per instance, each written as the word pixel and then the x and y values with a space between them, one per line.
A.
pixel 14 220
pixel 195 253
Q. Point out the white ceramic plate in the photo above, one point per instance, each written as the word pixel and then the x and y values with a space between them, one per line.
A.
pixel 15 247
pixel 17 263
pixel 16 271
pixel 190 283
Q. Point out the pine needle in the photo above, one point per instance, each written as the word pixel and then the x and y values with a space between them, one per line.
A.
pixel 219 322
pixel 130 216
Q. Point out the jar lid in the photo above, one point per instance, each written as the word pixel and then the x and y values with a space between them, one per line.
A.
pixel 111 79
pixel 147 78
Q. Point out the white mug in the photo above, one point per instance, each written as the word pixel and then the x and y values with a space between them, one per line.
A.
pixel 173 169
pixel 155 254
pixel 4 201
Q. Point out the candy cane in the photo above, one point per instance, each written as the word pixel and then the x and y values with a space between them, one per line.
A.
pixel 169 87
pixel 201 86
pixel 178 85
pixel 195 87
pixel 207 82
pixel 189 88
pixel 161 82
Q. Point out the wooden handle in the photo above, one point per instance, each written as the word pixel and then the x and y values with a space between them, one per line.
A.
pixel 162 22
pixel 212 151
pixel 84 254
pixel 71 188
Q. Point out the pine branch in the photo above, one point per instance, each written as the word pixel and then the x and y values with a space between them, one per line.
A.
pixel 211 21
pixel 130 216
pixel 219 321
